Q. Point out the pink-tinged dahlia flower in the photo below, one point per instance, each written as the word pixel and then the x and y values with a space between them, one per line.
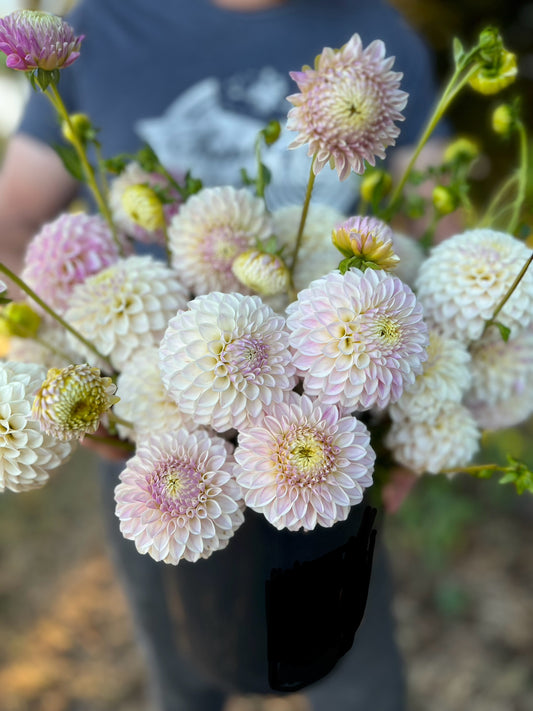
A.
pixel 64 253
pixel 302 464
pixel 225 359
pixel 358 338
pixel 210 231
pixel 27 454
pixel 466 277
pixel 126 307
pixel 347 107
pixel 37 40
pixel 178 498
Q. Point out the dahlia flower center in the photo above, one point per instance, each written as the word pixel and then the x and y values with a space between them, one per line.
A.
pixel 77 408
pixel 306 456
pixel 176 487
pixel 386 332
pixel 222 246
pixel 246 357
pixel 355 107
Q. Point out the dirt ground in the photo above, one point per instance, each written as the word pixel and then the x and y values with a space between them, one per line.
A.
pixel 464 603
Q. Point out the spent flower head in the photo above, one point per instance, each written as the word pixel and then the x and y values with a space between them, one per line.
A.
pixel 71 401
pixel 347 107
pixel 31 40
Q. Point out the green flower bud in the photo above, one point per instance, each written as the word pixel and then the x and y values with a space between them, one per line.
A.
pixel 444 200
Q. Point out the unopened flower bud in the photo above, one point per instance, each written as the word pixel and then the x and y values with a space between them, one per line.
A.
pixel 272 132
pixel 72 400
pixel 495 76
pixel 375 184
pixel 142 205
pixel 78 127
pixel 267 274
pixel 462 149
pixel 368 241
pixel 19 319
pixel 444 200
pixel 503 120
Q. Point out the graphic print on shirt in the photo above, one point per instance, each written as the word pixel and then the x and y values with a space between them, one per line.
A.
pixel 211 130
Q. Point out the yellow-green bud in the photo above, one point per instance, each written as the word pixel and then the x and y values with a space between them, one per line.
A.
pixel 493 78
pixel 19 319
pixel 266 274
pixel 503 120
pixel 143 206
pixel 462 149
pixel 272 132
pixel 444 200
pixel 80 127
pixel 376 183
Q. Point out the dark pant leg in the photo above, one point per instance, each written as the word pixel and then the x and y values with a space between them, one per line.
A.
pixel 370 676
pixel 175 683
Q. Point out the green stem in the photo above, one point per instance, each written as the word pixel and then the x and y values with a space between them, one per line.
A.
pixel 490 213
pixel 522 180
pixel 24 287
pixel 303 218
pixel 473 470
pixel 454 86
pixel 509 292
pixel 115 419
pixel 53 94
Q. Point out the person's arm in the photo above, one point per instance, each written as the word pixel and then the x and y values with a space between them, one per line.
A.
pixel 34 188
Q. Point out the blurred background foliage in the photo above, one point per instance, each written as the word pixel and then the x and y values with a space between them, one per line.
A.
pixel 459 547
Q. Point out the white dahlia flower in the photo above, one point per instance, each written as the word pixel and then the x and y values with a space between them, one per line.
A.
pixel 26 453
pixel 303 464
pixel 144 400
pixel 502 380
pixel 225 359
pixel 126 307
pixel 211 229
pixel 445 378
pixel 466 276
pixel 445 442
pixel 178 499
pixel 358 338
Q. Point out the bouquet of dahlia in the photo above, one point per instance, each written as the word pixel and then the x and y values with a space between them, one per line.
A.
pixel 280 361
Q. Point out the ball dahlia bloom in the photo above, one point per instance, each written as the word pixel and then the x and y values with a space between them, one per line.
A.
pixel 126 307
pixel 446 377
pixel 465 278
pixel 64 253
pixel 445 442
pixel 178 499
pixel 26 453
pixel 502 380
pixel 38 40
pixel 303 464
pixel 144 400
pixel 225 359
pixel 210 231
pixel 347 107
pixel 71 401
pixel 358 338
